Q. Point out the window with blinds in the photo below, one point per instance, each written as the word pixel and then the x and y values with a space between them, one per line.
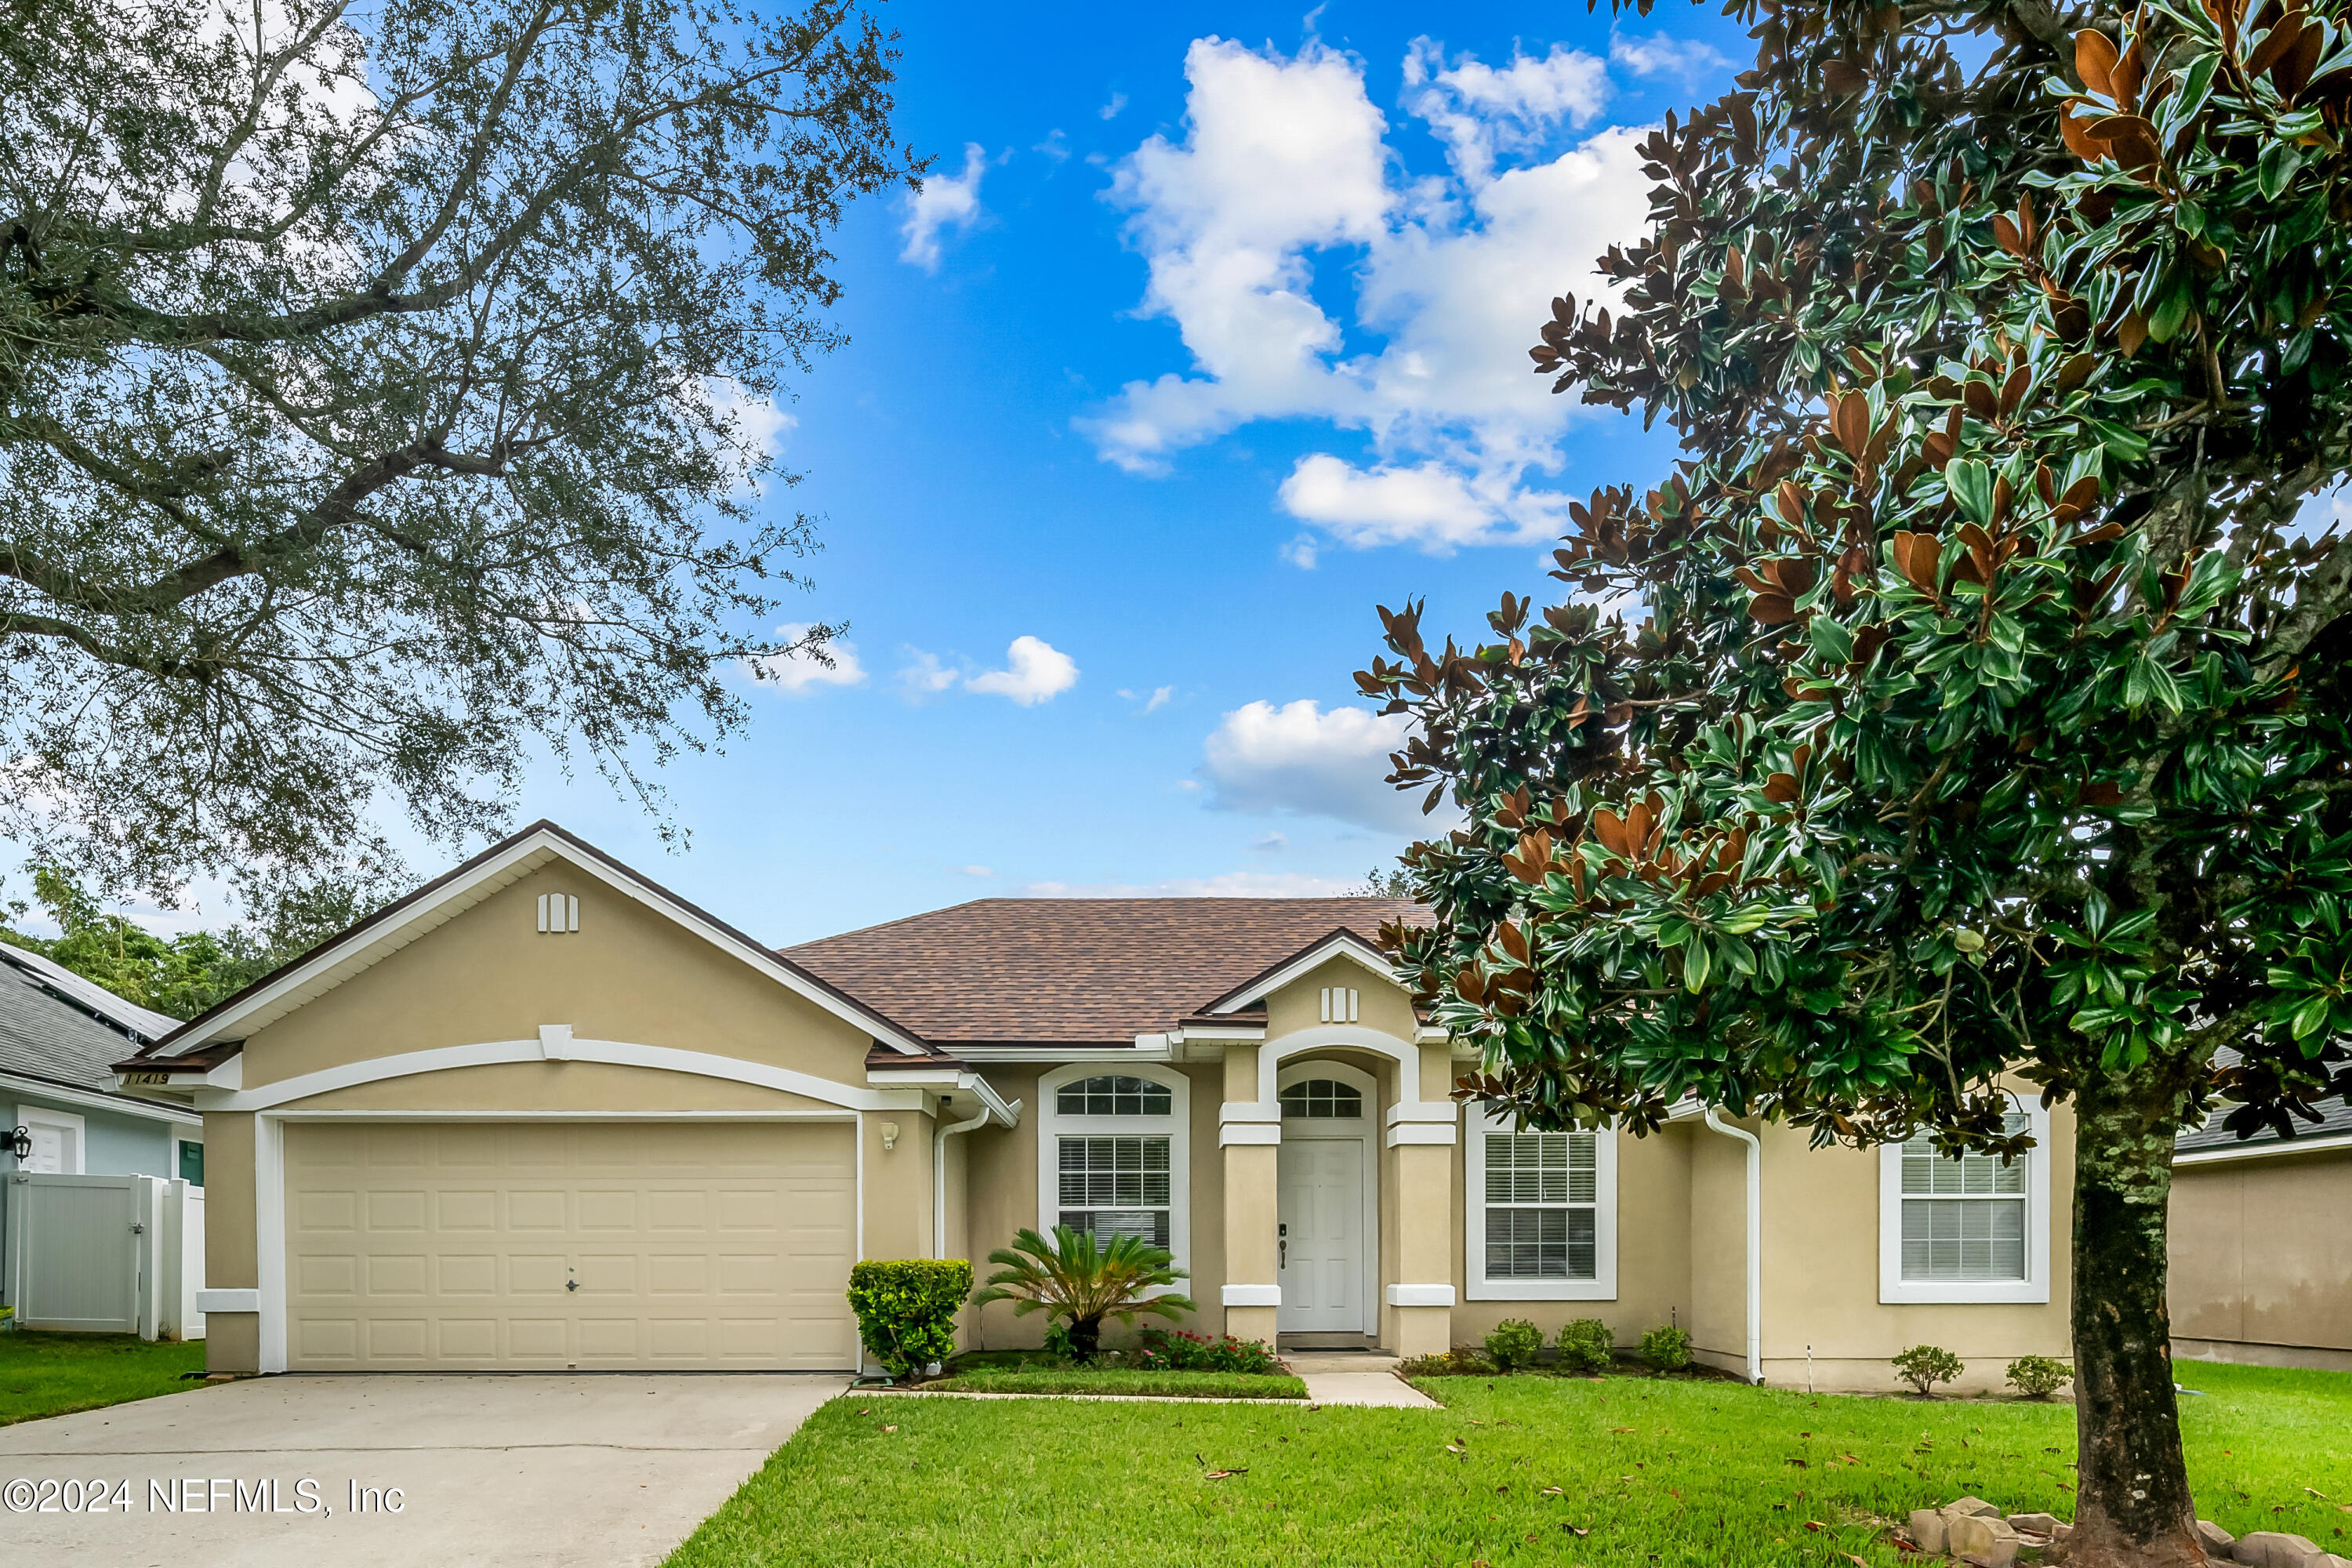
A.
pixel 1542 1206
pixel 1963 1219
pixel 1117 1186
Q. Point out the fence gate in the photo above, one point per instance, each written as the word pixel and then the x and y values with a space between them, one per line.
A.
pixel 81 1250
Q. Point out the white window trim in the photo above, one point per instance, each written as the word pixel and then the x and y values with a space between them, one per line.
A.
pixel 1176 1127
pixel 1601 1286
pixel 1896 1290
pixel 67 1122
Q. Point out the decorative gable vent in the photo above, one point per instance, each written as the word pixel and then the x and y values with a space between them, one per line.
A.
pixel 558 913
pixel 1340 1005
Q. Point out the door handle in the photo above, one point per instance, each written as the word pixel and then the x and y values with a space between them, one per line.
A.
pixel 571 1284
pixel 1282 1254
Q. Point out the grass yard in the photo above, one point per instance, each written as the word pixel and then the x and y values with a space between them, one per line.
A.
pixel 1124 1379
pixel 1656 1472
pixel 55 1374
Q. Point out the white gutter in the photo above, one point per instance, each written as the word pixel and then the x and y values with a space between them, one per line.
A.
pixel 991 1104
pixel 1755 1240
pixel 940 1175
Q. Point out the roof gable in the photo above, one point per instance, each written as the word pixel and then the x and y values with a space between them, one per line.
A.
pixel 396 925
pixel 1341 944
pixel 1081 971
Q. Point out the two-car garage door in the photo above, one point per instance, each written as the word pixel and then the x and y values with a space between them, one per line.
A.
pixel 555 1245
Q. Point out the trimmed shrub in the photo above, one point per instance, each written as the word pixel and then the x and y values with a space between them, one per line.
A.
pixel 1925 1366
pixel 1183 1351
pixel 1462 1361
pixel 1514 1343
pixel 906 1308
pixel 1667 1348
pixel 1587 1344
pixel 2039 1376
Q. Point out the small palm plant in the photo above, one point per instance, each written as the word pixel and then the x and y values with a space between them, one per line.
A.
pixel 1085 1278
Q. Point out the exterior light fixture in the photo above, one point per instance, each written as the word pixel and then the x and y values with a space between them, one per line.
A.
pixel 890 1136
pixel 20 1142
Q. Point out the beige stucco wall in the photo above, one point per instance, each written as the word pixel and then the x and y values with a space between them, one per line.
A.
pixel 2261 1255
pixel 629 974
pixel 1821 1270
pixel 232 1339
pixel 1654 1247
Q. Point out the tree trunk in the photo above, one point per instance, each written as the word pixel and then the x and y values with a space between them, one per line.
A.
pixel 2133 1508
pixel 1085 1339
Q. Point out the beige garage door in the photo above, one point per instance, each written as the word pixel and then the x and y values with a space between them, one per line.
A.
pixel 556 1245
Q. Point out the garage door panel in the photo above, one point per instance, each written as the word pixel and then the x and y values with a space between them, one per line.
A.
pixel 453 1244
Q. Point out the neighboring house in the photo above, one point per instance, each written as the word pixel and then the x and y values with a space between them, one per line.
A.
pixel 60 1036
pixel 2262 1244
pixel 543 1113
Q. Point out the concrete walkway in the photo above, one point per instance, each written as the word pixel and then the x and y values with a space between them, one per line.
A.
pixel 493 1472
pixel 1357 1377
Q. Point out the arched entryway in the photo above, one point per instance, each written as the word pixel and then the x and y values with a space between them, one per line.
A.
pixel 1327 1200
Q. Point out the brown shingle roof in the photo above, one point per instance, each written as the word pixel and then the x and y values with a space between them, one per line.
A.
pixel 1076 971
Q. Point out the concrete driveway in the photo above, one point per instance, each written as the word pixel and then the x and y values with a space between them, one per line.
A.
pixel 606 1470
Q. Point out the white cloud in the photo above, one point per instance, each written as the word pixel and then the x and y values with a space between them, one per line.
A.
pixel 1299 760
pixel 1035 671
pixel 1110 110
pixel 1287 163
pixel 944 203
pixel 1272 844
pixel 1660 55
pixel 1159 698
pixel 793 673
pixel 924 673
pixel 1480 112
pixel 975 871
pixel 1055 146
pixel 1225 885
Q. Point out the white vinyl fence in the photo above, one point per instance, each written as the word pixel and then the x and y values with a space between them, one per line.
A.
pixel 121 1255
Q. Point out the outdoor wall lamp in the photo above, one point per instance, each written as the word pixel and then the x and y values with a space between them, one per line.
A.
pixel 20 1142
pixel 890 1136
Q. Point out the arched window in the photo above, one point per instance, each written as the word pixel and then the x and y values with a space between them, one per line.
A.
pixel 1113 1096
pixel 1323 1099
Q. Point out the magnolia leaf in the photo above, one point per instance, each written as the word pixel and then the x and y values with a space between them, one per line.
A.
pixel 1970 483
pixel 1830 639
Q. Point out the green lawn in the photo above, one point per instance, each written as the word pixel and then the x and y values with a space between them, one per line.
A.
pixel 55 1374
pixel 1124 1379
pixel 1666 1473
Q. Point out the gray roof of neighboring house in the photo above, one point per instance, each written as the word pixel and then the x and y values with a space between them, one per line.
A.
pixel 2335 1121
pixel 48 1033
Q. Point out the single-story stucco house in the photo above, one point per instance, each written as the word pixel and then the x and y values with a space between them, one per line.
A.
pixel 2262 1244
pixel 543 1113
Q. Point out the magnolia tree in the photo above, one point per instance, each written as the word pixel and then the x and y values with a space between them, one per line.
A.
pixel 1970 702
pixel 383 395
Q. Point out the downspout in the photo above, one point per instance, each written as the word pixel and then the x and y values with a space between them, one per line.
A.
pixel 940 1177
pixel 1755 1240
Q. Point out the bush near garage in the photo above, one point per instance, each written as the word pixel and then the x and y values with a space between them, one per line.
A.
pixel 906 1308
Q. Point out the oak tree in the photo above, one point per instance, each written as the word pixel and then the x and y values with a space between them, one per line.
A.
pixel 382 397
pixel 1971 698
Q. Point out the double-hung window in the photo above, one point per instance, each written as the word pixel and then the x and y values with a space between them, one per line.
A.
pixel 1542 1222
pixel 1968 1228
pixel 1111 1155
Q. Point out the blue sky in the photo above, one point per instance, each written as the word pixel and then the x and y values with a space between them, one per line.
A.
pixel 1206 337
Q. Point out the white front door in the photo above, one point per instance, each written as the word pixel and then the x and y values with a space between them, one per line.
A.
pixel 1319 1245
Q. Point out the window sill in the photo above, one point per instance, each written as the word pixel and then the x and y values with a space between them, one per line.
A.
pixel 1541 1291
pixel 1962 1293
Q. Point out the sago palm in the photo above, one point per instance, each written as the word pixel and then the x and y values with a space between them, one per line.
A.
pixel 1084 1277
